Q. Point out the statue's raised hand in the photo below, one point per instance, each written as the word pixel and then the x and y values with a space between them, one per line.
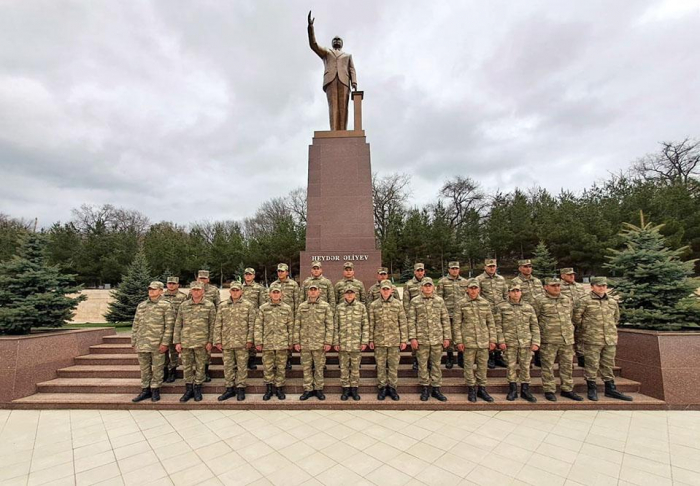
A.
pixel 311 19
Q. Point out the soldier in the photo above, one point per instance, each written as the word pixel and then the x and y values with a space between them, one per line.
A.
pixel 350 339
pixel 475 335
pixel 597 314
pixel 410 291
pixel 313 337
pixel 273 337
pixel 349 280
pixel 233 336
pixel 531 288
pixel 151 335
pixel 554 313
pixel 430 332
pixel 325 286
pixel 518 335
pixel 374 292
pixel 495 290
pixel 175 296
pixel 452 289
pixel 211 292
pixel 388 332
pixel 574 291
pixel 291 295
pixel 194 332
pixel 254 293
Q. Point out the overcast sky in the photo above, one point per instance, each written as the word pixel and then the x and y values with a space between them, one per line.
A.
pixel 202 110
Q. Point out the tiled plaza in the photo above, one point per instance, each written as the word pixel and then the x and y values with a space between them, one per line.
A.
pixel 83 447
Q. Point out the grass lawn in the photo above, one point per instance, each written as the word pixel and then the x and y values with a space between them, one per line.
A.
pixel 120 327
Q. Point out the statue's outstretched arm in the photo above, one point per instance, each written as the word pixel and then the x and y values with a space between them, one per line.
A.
pixel 320 51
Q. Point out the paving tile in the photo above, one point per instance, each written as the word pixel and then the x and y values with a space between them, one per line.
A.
pixel 131 463
pixel 242 475
pixel 408 464
pixel 56 472
pixel 291 475
pixel 270 463
pixel 98 474
pixel 223 464
pixel 192 475
pixel 455 464
pixel 384 452
pixel 339 475
pixel 146 474
pixel 424 451
pixel 536 477
pixel 362 464
pixel 316 463
pixel 91 462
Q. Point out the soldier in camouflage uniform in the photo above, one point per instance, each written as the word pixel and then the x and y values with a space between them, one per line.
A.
pixel 452 289
pixel 325 286
pixel 518 335
pixel 194 332
pixel 273 337
pixel 531 288
pixel 410 291
pixel 313 337
pixel 554 313
pixel 211 293
pixel 350 339
pixel 349 280
pixel 256 294
pixel 175 296
pixel 495 290
pixel 151 335
pixel 233 336
pixel 597 315
pixel 574 291
pixel 388 333
pixel 375 291
pixel 430 332
pixel 475 335
pixel 291 295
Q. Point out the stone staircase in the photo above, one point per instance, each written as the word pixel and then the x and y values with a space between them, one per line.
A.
pixel 108 378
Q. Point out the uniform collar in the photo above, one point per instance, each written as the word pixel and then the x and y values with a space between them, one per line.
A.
pixel 597 297
pixel 524 277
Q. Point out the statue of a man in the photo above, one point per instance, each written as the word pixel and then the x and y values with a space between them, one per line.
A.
pixel 338 77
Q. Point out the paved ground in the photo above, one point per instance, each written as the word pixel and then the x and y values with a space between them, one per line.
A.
pixel 348 447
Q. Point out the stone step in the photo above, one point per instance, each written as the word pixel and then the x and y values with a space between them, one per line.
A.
pixel 293 385
pixel 409 401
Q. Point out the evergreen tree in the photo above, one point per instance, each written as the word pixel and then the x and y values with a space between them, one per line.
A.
pixel 543 264
pixel 654 285
pixel 406 270
pixel 132 291
pixel 33 293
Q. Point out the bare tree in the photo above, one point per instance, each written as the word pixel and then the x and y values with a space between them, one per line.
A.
pixel 390 193
pixel 296 202
pixel 90 218
pixel 676 163
pixel 464 196
pixel 266 217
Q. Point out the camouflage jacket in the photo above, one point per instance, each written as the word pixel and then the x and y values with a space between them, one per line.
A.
pixel 473 323
pixel 388 325
pixel 194 326
pixel 255 294
pixel 351 325
pixel 153 325
pixel 273 326
pixel 554 317
pixel 516 324
pixel 235 321
pixel 341 285
pixel 598 317
pixel 291 295
pixel 574 291
pixel 375 293
pixel 313 325
pixel 411 290
pixel 452 290
pixel 212 293
pixel 324 285
pixel 175 299
pixel 428 320
pixel 493 289
pixel 531 287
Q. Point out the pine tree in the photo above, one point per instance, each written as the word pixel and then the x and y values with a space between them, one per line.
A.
pixel 132 290
pixel 543 264
pixel 33 293
pixel 406 270
pixel 654 285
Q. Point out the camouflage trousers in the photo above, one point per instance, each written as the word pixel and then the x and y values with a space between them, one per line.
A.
pixel 548 355
pixel 451 348
pixel 235 367
pixel 599 357
pixel 312 362
pixel 518 357
pixel 434 354
pixel 151 365
pixel 480 358
pixel 349 368
pixel 578 341
pixel 387 359
pixel 171 357
pixel 193 362
pixel 274 361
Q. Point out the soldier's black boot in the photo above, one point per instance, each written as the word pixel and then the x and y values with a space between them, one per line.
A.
pixel 611 391
pixel 381 394
pixel 288 366
pixel 172 374
pixel 449 360
pixel 572 395
pixel 155 395
pixel 392 393
pixel 346 393
pixel 280 393
pixel 460 359
pixel 269 392
pixel 145 393
pixel 492 360
pixel 581 361
pixel 353 393
pixel 592 391
pixel 525 393
pixel 498 358
pixel 483 394
pixel 229 393
pixel 240 394
pixel 425 394
pixel 437 394
pixel 536 359
pixel 189 392
pixel 207 376
pixel 550 396
pixel 512 391
pixel 471 394
pixel 251 363
pixel 306 395
pixel 198 393
pixel 320 395
pixel 415 364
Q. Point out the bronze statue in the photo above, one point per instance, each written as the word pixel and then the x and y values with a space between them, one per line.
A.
pixel 338 77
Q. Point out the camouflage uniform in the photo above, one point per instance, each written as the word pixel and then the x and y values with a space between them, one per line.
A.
pixel 574 291
pixel 211 292
pixel 152 328
pixel 557 336
pixel 273 331
pixel 474 328
pixel 452 290
pixel 374 292
pixel 517 328
pixel 256 295
pixel 388 329
pixel 233 329
pixel 194 328
pixel 313 329
pixel 291 294
pixel 351 332
pixel 357 285
pixel 531 287
pixel 324 285
pixel 493 289
pixel 411 290
pixel 175 298
pixel 597 317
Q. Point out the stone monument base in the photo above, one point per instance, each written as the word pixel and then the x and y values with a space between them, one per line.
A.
pixel 365 262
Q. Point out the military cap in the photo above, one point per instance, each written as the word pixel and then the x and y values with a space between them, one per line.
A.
pixel 599 281
pixel 453 265
pixel 250 271
pixel 236 286
pixel 275 286
pixel 383 270
pixel 283 266
pixel 522 263
pixel 349 289
pixel 348 265
pixel 472 282
pixel 173 280
pixel 155 285
pixel 418 266
pixel 386 284
pixel 314 285
pixel 316 263
pixel 426 281
pixel 203 274
pixel 489 262
pixel 513 286
pixel 196 285
pixel 552 281
pixel 566 271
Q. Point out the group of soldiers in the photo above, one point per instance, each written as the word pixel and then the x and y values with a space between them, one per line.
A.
pixel 486 320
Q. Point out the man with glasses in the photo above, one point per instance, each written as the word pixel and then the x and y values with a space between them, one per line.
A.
pixel 254 293
pixel 291 295
pixel 410 291
pixel 175 296
pixel 495 290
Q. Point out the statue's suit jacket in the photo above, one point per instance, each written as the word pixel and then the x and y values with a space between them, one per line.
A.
pixel 337 63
